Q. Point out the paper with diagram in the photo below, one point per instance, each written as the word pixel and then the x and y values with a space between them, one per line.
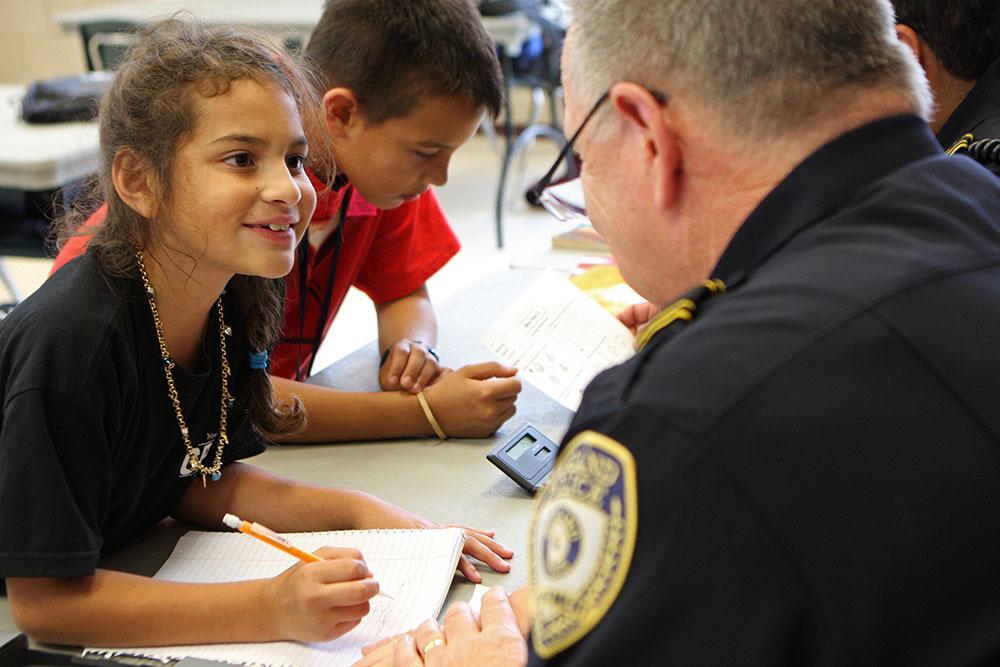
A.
pixel 415 567
pixel 558 338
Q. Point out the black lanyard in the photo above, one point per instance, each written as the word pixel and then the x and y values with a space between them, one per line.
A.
pixel 317 339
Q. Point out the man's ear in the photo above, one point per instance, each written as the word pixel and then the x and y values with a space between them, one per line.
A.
pixel 342 111
pixel 135 183
pixel 652 136
pixel 909 36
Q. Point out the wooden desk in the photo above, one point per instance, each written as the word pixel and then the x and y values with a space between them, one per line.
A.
pixel 449 482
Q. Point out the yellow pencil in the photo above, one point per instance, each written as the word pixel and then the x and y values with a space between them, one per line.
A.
pixel 265 534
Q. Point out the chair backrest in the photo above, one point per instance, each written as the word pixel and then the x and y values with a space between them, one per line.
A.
pixel 106 43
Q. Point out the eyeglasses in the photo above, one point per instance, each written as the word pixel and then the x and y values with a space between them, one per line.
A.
pixel 561 207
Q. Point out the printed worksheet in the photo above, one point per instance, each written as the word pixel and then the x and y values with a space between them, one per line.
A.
pixel 559 338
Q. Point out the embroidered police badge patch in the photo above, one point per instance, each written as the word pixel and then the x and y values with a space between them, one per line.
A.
pixel 582 537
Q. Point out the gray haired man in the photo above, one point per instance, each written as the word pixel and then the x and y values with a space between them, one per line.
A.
pixel 799 466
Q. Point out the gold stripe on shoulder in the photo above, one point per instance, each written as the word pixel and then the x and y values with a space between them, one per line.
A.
pixel 679 310
pixel 962 144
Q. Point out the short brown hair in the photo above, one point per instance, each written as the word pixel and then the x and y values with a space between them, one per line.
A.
pixel 393 53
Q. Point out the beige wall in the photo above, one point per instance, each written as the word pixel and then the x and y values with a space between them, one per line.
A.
pixel 32 46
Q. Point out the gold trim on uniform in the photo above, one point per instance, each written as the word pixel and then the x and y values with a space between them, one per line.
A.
pixel 961 145
pixel 583 532
pixel 682 309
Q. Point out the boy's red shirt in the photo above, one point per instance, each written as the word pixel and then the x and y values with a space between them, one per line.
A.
pixel 385 253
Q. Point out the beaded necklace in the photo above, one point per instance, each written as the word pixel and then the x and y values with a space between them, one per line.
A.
pixel 215 470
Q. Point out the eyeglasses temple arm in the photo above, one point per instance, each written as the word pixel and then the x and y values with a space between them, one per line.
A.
pixel 534 193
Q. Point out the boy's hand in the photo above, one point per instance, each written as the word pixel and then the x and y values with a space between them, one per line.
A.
pixel 321 601
pixel 473 401
pixel 409 365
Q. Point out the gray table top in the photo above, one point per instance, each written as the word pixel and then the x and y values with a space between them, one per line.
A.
pixel 448 482
pixel 46 156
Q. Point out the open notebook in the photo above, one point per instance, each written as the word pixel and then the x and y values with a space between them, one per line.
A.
pixel 413 566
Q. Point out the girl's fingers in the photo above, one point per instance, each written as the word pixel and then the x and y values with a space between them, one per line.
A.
pixel 469 571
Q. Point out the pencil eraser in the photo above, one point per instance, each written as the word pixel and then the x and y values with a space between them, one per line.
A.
pixel 232 521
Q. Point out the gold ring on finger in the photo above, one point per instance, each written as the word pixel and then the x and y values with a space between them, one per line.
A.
pixel 433 644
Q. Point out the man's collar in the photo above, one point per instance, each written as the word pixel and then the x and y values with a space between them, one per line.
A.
pixel 820 185
pixel 977 106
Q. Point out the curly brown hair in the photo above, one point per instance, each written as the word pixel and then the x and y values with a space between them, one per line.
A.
pixel 148 110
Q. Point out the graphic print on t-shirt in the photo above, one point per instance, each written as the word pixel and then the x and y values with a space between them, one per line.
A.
pixel 202 448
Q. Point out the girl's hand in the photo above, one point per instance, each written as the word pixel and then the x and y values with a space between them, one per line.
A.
pixel 321 601
pixel 374 513
pixel 473 401
pixel 409 365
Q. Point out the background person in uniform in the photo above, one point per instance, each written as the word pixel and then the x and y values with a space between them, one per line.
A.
pixel 800 464
pixel 958 44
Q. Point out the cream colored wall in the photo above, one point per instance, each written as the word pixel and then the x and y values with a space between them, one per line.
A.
pixel 32 46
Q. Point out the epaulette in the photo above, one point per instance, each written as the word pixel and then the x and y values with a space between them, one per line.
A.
pixel 682 310
pixel 984 151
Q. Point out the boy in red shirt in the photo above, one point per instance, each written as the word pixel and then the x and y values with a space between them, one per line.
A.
pixel 406 85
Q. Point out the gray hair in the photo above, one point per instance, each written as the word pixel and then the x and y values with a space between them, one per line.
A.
pixel 767 66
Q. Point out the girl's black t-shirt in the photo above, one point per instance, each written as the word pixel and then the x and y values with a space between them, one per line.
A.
pixel 90 449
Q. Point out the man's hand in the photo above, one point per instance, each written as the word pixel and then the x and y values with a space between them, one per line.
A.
pixel 491 640
pixel 409 365
pixel 636 316
pixel 523 605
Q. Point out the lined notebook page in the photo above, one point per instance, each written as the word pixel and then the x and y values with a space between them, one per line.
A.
pixel 414 566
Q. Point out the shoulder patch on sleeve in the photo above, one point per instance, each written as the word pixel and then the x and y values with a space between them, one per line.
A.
pixel 583 531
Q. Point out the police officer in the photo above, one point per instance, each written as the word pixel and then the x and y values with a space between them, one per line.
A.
pixel 800 464
pixel 958 44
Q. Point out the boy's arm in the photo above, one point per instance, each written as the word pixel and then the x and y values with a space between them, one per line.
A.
pixel 411 316
pixel 471 402
pixel 341 416
pixel 407 333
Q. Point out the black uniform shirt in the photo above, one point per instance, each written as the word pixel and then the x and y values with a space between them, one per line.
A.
pixel 809 472
pixel 979 112
pixel 90 449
